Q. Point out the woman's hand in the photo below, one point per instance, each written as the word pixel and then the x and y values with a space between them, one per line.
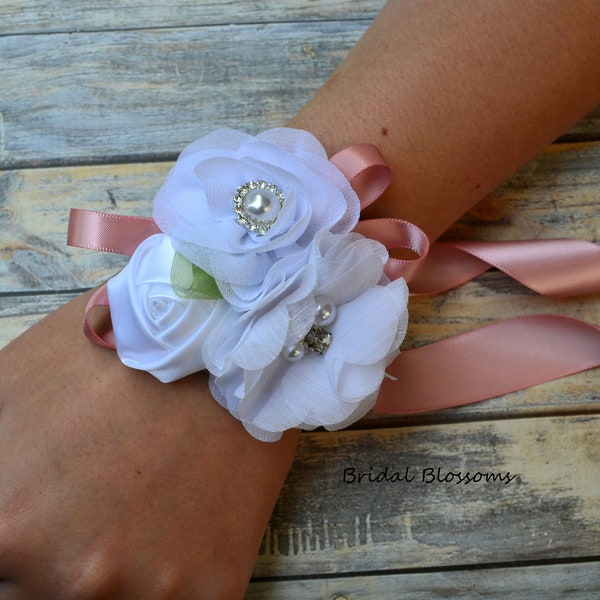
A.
pixel 113 485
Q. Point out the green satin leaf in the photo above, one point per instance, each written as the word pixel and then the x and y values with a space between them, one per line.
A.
pixel 191 282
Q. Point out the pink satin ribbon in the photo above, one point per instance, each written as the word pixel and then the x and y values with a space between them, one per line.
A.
pixel 100 336
pixel 489 361
pixel 108 232
pixel 481 364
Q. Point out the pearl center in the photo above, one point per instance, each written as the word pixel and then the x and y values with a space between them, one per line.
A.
pixel 257 205
pixel 261 204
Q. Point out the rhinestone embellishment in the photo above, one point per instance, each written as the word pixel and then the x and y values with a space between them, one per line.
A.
pixel 318 340
pixel 257 205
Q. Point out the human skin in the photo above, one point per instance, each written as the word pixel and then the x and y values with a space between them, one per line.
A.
pixel 458 96
pixel 113 485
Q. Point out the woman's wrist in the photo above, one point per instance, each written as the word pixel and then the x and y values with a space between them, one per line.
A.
pixel 159 465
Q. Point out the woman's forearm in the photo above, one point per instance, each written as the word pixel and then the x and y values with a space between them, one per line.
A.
pixel 458 95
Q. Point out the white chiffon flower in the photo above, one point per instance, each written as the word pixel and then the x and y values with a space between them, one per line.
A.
pixel 283 314
pixel 305 193
pixel 156 330
pixel 268 392
pixel 307 322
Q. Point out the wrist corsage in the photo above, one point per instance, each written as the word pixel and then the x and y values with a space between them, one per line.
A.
pixel 258 276
pixel 256 268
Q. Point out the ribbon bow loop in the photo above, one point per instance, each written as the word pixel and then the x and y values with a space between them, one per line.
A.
pixel 487 362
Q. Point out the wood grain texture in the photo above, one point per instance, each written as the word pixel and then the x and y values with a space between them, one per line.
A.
pixel 328 523
pixel 55 16
pixel 34 213
pixel 91 96
pixel 96 101
pixel 553 582
pixel 136 95
pixel 554 195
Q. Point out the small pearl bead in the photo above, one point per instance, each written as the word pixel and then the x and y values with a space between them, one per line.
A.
pixel 325 312
pixel 293 353
pixel 261 204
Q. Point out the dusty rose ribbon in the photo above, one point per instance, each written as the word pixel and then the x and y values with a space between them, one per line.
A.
pixel 108 232
pixel 490 361
pixel 487 362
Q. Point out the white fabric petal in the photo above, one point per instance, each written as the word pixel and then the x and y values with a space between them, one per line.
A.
pixel 271 283
pixel 356 381
pixel 155 330
pixel 320 390
pixel 195 205
pixel 263 341
pixel 365 329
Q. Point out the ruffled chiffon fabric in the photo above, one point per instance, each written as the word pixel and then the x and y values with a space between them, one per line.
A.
pixel 194 206
pixel 271 285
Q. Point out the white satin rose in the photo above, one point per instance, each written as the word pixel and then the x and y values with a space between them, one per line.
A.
pixel 236 204
pixel 359 322
pixel 156 330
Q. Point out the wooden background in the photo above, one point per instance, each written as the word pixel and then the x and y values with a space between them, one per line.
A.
pixel 96 101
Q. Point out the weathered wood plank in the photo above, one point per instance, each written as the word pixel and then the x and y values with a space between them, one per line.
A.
pixel 555 195
pixel 146 82
pixel 90 96
pixel 586 129
pixel 55 16
pixel 34 213
pixel 579 581
pixel 18 314
pixel 551 510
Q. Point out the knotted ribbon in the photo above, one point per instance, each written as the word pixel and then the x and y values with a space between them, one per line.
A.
pixel 500 358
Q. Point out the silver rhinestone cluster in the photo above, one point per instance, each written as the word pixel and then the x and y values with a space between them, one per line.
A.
pixel 318 340
pixel 249 221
